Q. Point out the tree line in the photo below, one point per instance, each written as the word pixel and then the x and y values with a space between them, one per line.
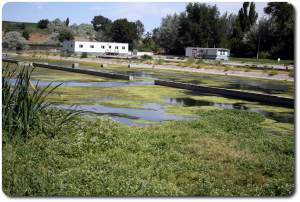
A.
pixel 200 25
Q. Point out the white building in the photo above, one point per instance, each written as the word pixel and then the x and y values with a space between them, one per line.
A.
pixel 98 48
pixel 207 53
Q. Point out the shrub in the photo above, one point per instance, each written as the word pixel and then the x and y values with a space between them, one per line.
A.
pixel 43 24
pixel 160 61
pixel 146 57
pixel 83 55
pixel 264 55
pixel 14 41
pixel 292 73
pixel 272 72
pixel 25 34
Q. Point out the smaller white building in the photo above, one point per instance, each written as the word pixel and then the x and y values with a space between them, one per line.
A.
pixel 98 48
pixel 207 53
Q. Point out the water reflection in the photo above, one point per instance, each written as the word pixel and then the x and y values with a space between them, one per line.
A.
pixel 277 116
pixel 150 112
pixel 88 84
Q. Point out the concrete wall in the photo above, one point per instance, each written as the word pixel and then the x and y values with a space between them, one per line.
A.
pixel 74 70
pixel 269 99
pixel 84 71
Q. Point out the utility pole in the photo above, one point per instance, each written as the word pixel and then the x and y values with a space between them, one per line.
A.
pixel 257 53
pixel 258 46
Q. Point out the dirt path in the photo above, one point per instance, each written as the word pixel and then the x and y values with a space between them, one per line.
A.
pixel 251 74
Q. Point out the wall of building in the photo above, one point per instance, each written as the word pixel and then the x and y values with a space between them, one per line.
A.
pixel 101 47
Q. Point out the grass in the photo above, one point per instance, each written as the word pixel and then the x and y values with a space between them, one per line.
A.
pixel 21 26
pixel 262 61
pixel 223 153
pixel 57 75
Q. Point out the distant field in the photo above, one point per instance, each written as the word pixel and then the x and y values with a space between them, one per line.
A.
pixel 265 61
pixel 8 26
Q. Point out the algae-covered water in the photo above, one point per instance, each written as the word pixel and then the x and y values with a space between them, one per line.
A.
pixel 139 102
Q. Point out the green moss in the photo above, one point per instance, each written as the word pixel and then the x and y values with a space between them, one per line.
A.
pixel 277 128
pixel 218 99
pixel 123 103
pixel 184 110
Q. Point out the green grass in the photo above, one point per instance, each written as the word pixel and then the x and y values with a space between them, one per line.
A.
pixel 223 153
pixel 21 26
pixel 45 74
pixel 262 61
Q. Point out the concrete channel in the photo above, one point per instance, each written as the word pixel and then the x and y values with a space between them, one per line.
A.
pixel 73 69
pixel 251 96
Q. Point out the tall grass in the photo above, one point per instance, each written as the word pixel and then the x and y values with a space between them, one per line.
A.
pixel 24 105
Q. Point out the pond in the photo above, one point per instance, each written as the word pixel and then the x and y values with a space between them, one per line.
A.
pixel 231 82
pixel 139 102
pixel 88 84
pixel 150 113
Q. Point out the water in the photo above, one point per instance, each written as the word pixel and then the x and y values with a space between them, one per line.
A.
pixel 151 112
pixel 89 84
pixel 277 116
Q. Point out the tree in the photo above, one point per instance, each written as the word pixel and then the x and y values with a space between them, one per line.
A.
pixel 239 40
pixel 140 28
pixel 65 34
pixel 247 18
pixel 101 23
pixel 25 34
pixel 252 14
pixel 56 25
pixel 124 31
pixel 14 41
pixel 53 39
pixel 282 19
pixel 84 31
pixel 166 35
pixel 199 26
pixel 148 43
pixel 43 24
pixel 67 22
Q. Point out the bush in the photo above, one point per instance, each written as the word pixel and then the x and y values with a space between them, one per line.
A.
pixel 146 57
pixel 264 55
pixel 43 24
pixel 25 34
pixel 160 61
pixel 83 55
pixel 14 41
pixel 292 73
pixel 65 34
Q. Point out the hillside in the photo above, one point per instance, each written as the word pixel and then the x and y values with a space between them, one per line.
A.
pixel 36 35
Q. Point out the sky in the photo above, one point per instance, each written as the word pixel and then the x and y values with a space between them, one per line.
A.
pixel 150 13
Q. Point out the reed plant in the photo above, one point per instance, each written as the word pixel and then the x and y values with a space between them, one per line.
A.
pixel 24 106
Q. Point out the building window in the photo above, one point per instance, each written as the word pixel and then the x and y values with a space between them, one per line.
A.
pixel 92 46
pixel 109 46
pixel 116 47
pixel 102 47
pixel 123 47
pixel 80 46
